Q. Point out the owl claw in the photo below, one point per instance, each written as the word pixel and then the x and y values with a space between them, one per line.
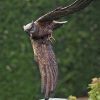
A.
pixel 50 38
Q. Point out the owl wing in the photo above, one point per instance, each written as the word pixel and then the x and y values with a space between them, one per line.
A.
pixel 64 11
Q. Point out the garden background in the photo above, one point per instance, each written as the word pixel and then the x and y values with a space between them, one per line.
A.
pixel 77 48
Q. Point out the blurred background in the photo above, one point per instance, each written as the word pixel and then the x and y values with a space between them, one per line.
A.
pixel 77 49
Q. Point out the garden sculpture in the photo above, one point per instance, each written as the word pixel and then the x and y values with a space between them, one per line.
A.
pixel 40 33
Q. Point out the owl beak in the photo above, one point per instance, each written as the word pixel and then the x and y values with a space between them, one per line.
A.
pixel 27 27
pixel 24 28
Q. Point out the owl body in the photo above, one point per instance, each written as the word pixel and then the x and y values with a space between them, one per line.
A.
pixel 45 57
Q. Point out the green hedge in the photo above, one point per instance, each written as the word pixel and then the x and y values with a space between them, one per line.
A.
pixel 77 49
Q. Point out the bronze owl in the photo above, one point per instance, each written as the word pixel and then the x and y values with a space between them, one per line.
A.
pixel 40 33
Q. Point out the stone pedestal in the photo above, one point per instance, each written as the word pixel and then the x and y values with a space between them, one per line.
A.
pixel 55 99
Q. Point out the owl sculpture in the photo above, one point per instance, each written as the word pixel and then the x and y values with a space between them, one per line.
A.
pixel 40 33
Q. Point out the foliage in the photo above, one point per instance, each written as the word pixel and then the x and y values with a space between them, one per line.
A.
pixel 77 48
pixel 94 93
pixel 72 98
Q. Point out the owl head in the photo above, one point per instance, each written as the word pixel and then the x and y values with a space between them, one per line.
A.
pixel 30 28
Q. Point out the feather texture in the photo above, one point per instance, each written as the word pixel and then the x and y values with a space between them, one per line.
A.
pixel 47 65
pixel 64 11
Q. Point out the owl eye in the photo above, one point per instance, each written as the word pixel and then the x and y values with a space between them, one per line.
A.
pixel 32 30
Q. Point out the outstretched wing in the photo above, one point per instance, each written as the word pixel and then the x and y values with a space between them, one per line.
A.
pixel 45 57
pixel 64 11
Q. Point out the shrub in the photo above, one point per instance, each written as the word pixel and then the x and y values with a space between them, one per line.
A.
pixel 94 93
pixel 72 98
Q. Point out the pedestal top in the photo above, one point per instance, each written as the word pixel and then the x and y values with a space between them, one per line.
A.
pixel 55 99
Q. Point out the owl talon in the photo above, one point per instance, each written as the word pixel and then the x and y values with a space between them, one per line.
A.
pixel 50 38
